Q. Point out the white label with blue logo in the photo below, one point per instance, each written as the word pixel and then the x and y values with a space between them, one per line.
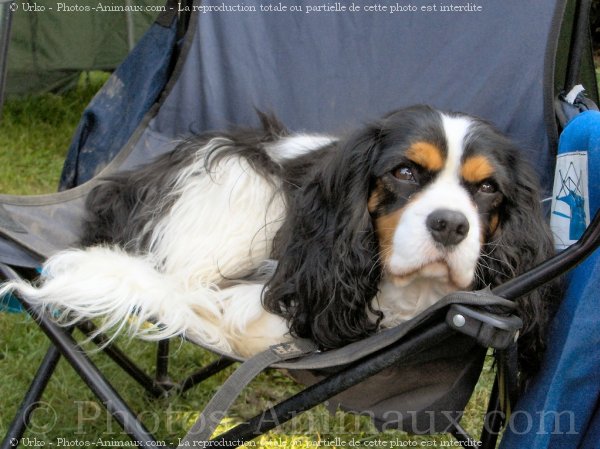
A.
pixel 570 198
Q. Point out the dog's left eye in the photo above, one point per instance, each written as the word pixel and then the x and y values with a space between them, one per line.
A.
pixel 488 186
pixel 404 173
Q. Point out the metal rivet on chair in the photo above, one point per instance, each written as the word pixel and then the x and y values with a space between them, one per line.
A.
pixel 458 320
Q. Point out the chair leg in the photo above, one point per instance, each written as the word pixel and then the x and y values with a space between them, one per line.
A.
pixel 494 419
pixel 111 350
pixel 88 372
pixel 36 389
pixel 161 377
pixel 204 373
pixel 463 437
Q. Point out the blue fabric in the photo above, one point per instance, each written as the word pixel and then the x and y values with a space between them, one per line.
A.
pixel 330 72
pixel 583 133
pixel 116 111
pixel 8 303
pixel 561 408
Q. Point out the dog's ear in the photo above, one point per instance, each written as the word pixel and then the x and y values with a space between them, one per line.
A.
pixel 328 271
pixel 522 241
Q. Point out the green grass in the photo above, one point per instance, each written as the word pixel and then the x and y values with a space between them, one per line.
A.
pixel 34 135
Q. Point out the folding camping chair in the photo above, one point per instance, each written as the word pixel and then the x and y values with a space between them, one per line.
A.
pixel 319 72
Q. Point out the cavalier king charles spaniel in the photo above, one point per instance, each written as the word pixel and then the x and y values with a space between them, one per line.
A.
pixel 245 239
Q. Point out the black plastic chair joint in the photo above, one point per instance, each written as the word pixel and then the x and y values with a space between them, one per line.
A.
pixel 490 330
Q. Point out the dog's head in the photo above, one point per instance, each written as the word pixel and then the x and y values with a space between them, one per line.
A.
pixel 418 195
pixel 437 191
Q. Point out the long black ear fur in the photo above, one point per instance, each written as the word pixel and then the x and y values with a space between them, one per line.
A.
pixel 522 241
pixel 328 270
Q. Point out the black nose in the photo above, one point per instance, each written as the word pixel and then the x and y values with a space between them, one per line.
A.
pixel 448 227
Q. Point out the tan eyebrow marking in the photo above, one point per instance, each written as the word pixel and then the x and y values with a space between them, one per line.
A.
pixel 426 155
pixel 494 222
pixel 385 227
pixel 375 197
pixel 476 169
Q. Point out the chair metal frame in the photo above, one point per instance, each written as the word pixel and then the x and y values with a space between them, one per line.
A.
pixel 65 345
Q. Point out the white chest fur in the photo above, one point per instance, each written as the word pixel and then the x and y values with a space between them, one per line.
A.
pixel 400 304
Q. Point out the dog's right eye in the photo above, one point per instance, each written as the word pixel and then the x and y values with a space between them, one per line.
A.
pixel 488 186
pixel 404 173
